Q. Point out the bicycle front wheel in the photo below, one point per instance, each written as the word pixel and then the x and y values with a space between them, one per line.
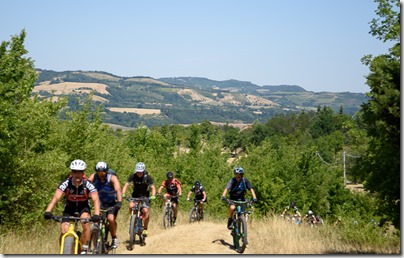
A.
pixel 241 235
pixel 166 218
pixel 93 243
pixel 68 247
pixel 193 215
pixel 132 233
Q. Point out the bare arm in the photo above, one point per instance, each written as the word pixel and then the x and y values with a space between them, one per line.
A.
pixel 91 178
pixel 96 202
pixel 159 190
pixel 125 187
pixel 153 190
pixel 189 194
pixel 204 196
pixel 56 197
pixel 253 193
pixel 224 192
pixel 117 187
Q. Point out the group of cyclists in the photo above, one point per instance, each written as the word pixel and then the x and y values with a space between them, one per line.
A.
pixel 297 218
pixel 104 189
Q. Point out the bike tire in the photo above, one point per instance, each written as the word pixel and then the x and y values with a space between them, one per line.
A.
pixel 132 233
pixel 68 247
pixel 106 245
pixel 170 216
pixel 241 235
pixel 166 218
pixel 193 215
pixel 93 243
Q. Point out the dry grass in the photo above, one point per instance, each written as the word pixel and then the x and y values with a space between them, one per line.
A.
pixel 140 111
pixel 266 236
pixel 71 88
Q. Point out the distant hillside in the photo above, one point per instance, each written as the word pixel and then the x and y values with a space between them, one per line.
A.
pixel 130 101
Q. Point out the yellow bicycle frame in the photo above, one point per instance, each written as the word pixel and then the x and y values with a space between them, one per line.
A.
pixel 71 232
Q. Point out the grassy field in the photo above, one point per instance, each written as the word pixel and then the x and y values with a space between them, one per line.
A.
pixel 270 235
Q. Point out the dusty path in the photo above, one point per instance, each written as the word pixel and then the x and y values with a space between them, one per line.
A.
pixel 197 238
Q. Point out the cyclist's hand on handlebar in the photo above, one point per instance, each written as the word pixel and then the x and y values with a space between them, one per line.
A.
pixel 48 215
pixel 95 218
pixel 255 200
pixel 224 199
pixel 152 197
pixel 188 199
pixel 123 195
pixel 117 206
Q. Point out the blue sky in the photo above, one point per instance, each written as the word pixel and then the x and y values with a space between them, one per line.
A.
pixel 316 44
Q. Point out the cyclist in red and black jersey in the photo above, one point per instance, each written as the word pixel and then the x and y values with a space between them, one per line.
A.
pixel 173 189
pixel 77 192
pixel 142 184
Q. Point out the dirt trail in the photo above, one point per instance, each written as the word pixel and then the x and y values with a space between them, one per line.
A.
pixel 197 238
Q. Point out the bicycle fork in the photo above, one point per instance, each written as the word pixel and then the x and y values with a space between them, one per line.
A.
pixel 70 232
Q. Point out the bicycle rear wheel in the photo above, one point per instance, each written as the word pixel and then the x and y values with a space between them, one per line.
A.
pixel 68 247
pixel 241 235
pixel 132 233
pixel 193 215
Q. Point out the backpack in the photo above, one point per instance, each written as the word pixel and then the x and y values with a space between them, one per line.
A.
pixel 236 185
pixel 175 180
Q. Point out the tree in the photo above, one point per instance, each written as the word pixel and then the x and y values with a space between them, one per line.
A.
pixel 381 114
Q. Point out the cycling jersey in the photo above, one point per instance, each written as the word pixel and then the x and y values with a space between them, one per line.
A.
pixel 76 198
pixel 198 193
pixel 141 185
pixel 106 191
pixel 238 190
pixel 171 186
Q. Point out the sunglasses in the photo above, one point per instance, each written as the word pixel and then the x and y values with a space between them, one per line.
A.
pixel 77 171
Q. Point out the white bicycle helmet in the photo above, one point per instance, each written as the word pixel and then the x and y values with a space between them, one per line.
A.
pixel 239 170
pixel 78 164
pixel 310 213
pixel 140 167
pixel 101 167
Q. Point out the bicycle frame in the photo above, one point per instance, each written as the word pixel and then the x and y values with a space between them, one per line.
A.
pixel 240 217
pixel 136 225
pixel 72 231
pixel 168 212
pixel 195 214
pixel 101 246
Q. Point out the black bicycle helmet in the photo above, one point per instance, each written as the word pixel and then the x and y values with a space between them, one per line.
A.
pixel 169 175
pixel 197 183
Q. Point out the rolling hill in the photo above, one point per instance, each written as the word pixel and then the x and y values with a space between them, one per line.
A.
pixel 130 101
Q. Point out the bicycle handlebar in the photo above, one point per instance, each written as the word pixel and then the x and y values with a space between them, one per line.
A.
pixel 70 218
pixel 137 199
pixel 239 202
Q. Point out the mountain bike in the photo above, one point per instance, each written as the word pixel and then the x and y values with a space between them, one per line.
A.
pixel 168 213
pixel 239 226
pixel 196 213
pixel 70 241
pixel 99 243
pixel 136 222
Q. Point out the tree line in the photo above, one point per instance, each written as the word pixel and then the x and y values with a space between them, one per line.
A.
pixel 281 157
